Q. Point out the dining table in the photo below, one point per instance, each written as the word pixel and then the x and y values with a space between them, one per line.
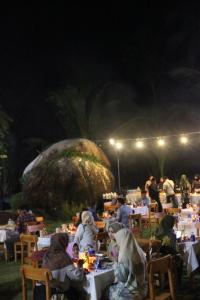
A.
pixel 97 281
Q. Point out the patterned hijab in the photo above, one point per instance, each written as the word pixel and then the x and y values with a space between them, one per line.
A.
pixel 56 257
pixel 132 257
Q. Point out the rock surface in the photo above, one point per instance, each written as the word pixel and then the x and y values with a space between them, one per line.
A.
pixel 70 171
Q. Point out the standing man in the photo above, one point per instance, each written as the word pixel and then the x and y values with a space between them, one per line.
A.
pixel 168 188
pixel 123 212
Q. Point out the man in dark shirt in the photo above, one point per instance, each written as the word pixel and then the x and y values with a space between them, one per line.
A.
pixel 24 217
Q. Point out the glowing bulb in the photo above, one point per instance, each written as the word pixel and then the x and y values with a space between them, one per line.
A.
pixel 183 140
pixel 112 141
pixel 139 144
pixel 161 142
pixel 119 146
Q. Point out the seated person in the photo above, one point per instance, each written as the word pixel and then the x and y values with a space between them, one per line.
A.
pixel 66 277
pixel 144 200
pixel 130 270
pixel 73 250
pixel 23 218
pixel 113 249
pixel 166 234
pixel 86 231
pixel 123 212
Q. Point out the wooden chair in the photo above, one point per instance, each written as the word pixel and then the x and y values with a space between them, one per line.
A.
pixel 135 220
pixel 172 210
pixel 100 224
pixel 150 247
pixel 75 220
pixel 102 238
pixel 35 274
pixel 39 219
pixel 3 249
pixel 159 267
pixel 33 229
pixel 27 244
pixel 111 207
pixel 197 226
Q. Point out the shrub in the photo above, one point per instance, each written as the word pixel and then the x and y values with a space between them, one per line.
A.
pixel 16 201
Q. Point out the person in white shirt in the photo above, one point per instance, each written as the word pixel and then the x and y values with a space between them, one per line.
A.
pixel 168 188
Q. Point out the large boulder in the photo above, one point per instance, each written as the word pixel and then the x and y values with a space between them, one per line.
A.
pixel 72 171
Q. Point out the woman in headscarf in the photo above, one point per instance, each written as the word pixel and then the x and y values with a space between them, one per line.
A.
pixel 166 234
pixel 130 283
pixel 66 277
pixel 113 249
pixel 185 188
pixel 86 231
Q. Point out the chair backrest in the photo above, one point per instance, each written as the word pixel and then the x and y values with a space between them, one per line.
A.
pixel 34 228
pixel 75 219
pixel 173 210
pixel 100 224
pixel 30 241
pixel 149 246
pixel 35 274
pixel 102 238
pixel 135 220
pixel 39 219
pixel 159 266
pixel 197 226
pixel 153 207
pixel 111 207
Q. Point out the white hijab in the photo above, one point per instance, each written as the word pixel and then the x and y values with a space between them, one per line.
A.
pixel 131 255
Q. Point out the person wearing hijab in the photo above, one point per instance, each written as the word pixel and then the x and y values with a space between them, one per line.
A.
pixel 86 231
pixel 66 277
pixel 166 234
pixel 185 188
pixel 130 283
pixel 113 249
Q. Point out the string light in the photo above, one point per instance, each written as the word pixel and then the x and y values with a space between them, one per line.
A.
pixel 160 142
pixel 119 145
pixel 112 141
pixel 183 140
pixel 139 144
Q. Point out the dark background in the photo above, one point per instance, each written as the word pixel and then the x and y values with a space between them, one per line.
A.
pixel 141 58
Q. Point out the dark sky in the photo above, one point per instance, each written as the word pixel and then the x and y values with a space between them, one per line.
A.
pixel 144 45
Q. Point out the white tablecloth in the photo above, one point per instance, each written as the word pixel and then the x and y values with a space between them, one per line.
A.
pixel 3 235
pixel 97 282
pixel 186 227
pixel 143 210
pixel 44 242
pixel 191 250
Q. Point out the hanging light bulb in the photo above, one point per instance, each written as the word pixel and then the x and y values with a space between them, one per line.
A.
pixel 119 145
pixel 112 141
pixel 161 142
pixel 183 140
pixel 139 144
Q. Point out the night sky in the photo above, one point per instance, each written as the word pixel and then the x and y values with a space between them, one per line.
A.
pixel 145 58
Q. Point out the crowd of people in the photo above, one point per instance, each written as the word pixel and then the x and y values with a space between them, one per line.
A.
pixel 167 185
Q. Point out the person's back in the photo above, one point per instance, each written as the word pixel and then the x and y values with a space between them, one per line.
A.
pixel 24 217
pixel 85 234
pixel 123 212
pixel 168 187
